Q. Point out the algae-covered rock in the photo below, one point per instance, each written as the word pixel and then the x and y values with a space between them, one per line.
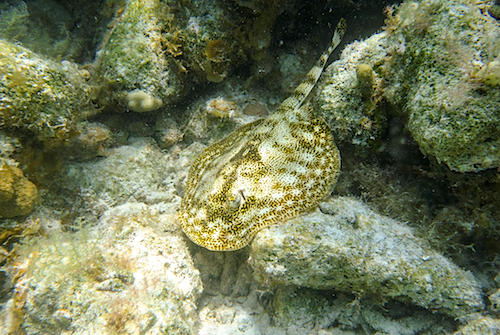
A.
pixel 484 325
pixel 211 44
pixel 8 146
pixel 292 306
pixel 436 63
pixel 441 75
pixel 41 96
pixel 93 140
pixel 66 30
pixel 308 311
pixel 350 248
pixel 133 55
pixel 17 193
pixel 131 273
pixel 495 301
pixel 350 93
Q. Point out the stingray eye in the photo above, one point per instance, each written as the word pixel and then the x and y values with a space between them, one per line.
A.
pixel 236 200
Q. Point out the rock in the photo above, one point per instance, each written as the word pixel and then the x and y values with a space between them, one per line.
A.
pixel 349 94
pixel 42 96
pixel 94 139
pixel 8 147
pixel 223 316
pixel 168 137
pixel 133 57
pixel 308 311
pixel 436 64
pixel 17 193
pixel 494 299
pixel 484 325
pixel 443 75
pixel 68 31
pixel 347 247
pixel 138 171
pixel 141 102
pixel 132 272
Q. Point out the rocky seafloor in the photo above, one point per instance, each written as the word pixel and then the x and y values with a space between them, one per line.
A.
pixel 104 106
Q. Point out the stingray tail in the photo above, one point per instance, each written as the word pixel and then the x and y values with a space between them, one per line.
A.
pixel 302 91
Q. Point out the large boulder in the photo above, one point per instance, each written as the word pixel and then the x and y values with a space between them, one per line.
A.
pixel 348 247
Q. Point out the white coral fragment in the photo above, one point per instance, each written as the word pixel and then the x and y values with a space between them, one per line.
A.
pixel 140 101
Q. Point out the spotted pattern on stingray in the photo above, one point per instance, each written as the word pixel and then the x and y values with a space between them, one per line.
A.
pixel 262 173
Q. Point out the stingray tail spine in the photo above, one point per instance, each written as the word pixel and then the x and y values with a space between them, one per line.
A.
pixel 302 91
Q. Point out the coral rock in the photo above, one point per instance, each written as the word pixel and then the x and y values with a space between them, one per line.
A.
pixel 444 73
pixel 41 96
pixel 17 193
pixel 437 64
pixel 354 249
pixel 140 101
pixel 484 325
pixel 131 273
pixel 349 93
pixel 133 55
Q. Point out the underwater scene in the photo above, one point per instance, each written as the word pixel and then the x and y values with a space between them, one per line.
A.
pixel 249 167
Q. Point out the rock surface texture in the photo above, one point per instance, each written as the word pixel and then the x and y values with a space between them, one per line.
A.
pixel 436 64
pixel 17 193
pixel 348 247
pixel 132 274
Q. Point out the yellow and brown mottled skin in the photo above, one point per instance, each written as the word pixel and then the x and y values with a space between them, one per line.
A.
pixel 264 172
